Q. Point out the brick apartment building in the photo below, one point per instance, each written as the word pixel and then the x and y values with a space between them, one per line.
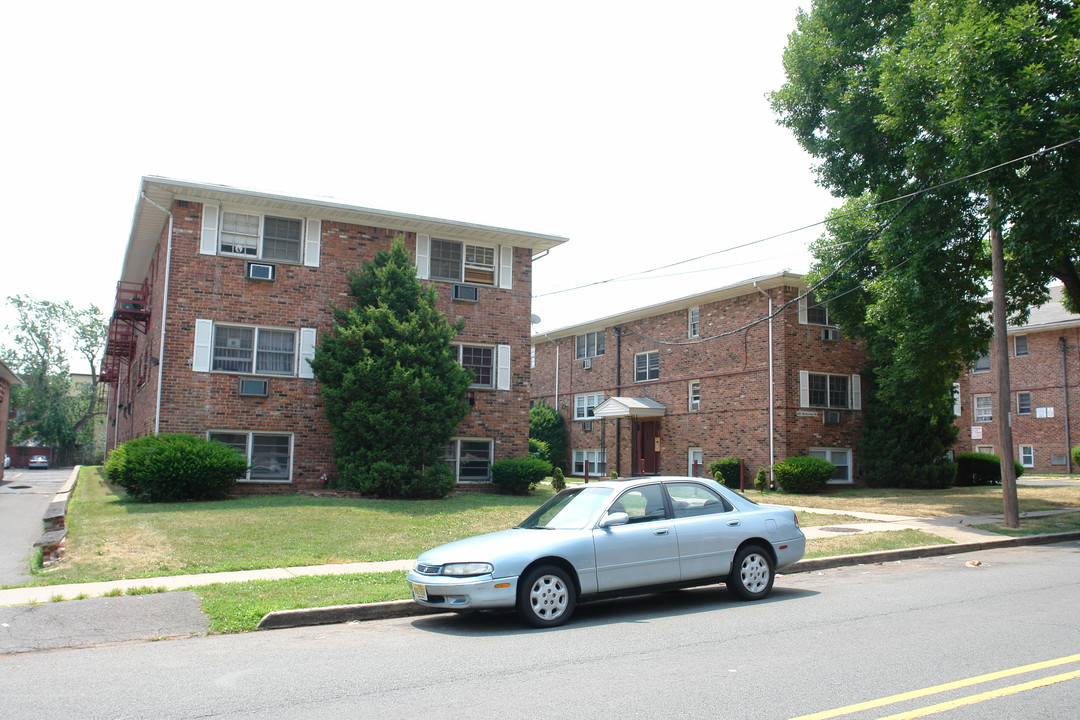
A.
pixel 8 379
pixel 1044 372
pixel 225 293
pixel 671 387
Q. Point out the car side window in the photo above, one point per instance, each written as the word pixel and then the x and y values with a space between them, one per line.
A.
pixel 692 499
pixel 643 504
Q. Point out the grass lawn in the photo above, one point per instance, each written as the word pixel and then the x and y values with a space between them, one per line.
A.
pixel 1063 522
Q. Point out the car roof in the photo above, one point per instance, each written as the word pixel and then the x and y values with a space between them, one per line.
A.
pixel 626 482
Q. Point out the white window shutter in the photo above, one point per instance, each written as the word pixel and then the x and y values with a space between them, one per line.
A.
pixel 307 352
pixel 802 310
pixel 208 242
pixel 204 341
pixel 506 266
pixel 804 388
pixel 503 370
pixel 856 392
pixel 423 256
pixel 312 242
pixel 956 408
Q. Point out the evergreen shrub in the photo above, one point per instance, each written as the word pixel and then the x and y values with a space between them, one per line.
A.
pixel 517 476
pixel 761 480
pixel 973 469
pixel 725 471
pixel 802 475
pixel 558 480
pixel 175 467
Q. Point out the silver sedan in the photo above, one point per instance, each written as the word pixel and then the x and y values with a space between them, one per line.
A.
pixel 618 537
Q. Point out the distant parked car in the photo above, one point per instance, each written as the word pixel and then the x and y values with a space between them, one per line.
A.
pixel 617 537
pixel 7 461
pixel 38 461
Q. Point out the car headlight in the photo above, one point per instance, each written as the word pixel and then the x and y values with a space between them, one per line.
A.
pixel 467 569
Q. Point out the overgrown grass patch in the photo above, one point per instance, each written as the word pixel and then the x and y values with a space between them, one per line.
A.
pixel 872 542
pixel 1063 522
pixel 238 607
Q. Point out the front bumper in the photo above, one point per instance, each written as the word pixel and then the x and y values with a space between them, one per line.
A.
pixel 482 592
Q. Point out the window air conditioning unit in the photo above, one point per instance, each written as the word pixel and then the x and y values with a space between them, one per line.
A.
pixel 468 293
pixel 587 425
pixel 587 363
pixel 254 387
pixel 261 271
pixel 830 333
pixel 831 417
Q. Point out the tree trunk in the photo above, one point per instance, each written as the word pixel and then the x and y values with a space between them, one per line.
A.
pixel 1001 353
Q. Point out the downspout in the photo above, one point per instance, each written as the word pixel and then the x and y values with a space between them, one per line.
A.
pixel 618 389
pixel 772 432
pixel 164 314
pixel 1065 388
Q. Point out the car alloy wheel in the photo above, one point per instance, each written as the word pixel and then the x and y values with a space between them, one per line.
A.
pixel 751 575
pixel 546 597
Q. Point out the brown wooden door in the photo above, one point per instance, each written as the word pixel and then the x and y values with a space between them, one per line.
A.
pixel 647 453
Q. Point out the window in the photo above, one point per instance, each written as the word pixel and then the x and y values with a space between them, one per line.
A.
pixel 481 361
pixel 694 392
pixel 647 366
pixel 984 408
pixel 841 460
pixel 827 391
pixel 459 262
pixel 813 312
pixel 593 460
pixel 470 460
pixel 254 350
pixel 695 462
pixel 693 321
pixel 268 454
pixel 585 404
pixel 642 504
pixel 1023 403
pixel 691 500
pixel 1027 456
pixel 1020 345
pixel 280 237
pixel 982 364
pixel 590 345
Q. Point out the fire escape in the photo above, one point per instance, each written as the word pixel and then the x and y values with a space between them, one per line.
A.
pixel 131 315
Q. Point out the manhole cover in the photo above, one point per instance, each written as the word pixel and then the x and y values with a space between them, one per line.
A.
pixel 20 487
pixel 841 529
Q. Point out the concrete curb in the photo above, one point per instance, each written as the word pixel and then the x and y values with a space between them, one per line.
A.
pixel 282 619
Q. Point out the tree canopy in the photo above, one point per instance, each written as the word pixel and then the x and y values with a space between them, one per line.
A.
pixel 393 390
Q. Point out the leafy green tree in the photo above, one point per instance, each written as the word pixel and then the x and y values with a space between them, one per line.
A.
pixel 50 409
pixel 546 424
pixel 392 387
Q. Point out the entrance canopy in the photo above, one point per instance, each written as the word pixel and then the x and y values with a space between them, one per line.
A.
pixel 629 407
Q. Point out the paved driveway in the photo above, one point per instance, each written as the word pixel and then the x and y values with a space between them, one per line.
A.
pixel 24 497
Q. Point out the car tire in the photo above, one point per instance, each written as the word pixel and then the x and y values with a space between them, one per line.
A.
pixel 546 597
pixel 752 574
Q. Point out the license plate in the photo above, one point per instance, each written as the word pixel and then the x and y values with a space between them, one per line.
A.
pixel 419 591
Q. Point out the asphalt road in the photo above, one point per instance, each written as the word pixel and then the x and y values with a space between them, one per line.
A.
pixel 24 497
pixel 822 641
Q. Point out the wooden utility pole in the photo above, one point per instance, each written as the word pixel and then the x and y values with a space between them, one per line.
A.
pixel 1001 353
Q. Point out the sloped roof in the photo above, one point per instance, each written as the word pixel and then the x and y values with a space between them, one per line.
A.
pixel 1048 316
pixel 629 407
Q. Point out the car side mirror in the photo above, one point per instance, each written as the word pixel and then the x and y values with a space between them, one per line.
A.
pixel 615 518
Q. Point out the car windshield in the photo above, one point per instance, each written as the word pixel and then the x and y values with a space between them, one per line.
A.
pixel 569 510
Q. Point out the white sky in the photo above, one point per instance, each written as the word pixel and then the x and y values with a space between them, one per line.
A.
pixel 638 130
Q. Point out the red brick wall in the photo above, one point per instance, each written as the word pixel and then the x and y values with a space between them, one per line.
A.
pixel 1040 372
pixel 215 288
pixel 733 370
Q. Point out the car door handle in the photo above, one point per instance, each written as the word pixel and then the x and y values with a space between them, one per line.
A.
pixel 661 531
pixel 733 523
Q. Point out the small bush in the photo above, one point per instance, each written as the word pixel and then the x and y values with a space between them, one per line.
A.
pixel 761 480
pixel 726 471
pixel 389 480
pixel 802 475
pixel 175 467
pixel 1076 455
pixel 558 480
pixel 974 469
pixel 517 476
pixel 539 449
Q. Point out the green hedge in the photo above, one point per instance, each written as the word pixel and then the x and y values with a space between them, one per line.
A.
pixel 726 471
pixel 974 469
pixel 517 476
pixel 802 475
pixel 175 467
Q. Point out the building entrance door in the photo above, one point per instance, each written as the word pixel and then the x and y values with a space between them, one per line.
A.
pixel 647 452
